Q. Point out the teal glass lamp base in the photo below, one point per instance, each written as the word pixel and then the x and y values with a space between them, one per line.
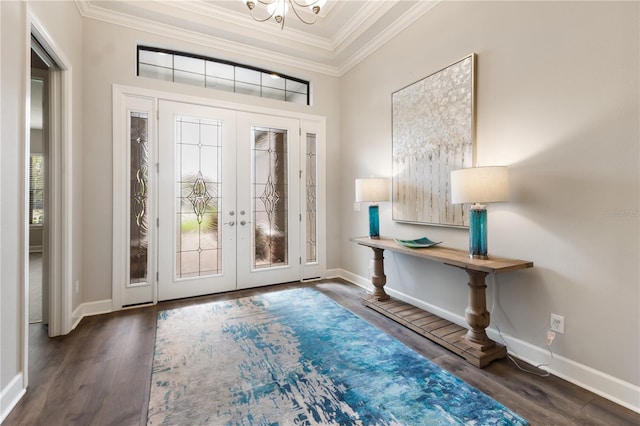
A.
pixel 478 232
pixel 374 222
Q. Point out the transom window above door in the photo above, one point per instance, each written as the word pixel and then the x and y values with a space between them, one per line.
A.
pixel 212 73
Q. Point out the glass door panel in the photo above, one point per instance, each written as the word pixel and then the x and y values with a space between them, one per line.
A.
pixel 311 238
pixel 313 231
pixel 269 190
pixel 270 187
pixel 139 197
pixel 198 179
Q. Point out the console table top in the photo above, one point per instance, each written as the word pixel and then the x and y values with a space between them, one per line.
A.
pixel 448 256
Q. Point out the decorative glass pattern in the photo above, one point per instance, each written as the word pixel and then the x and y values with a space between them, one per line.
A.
pixel 270 197
pixel 311 166
pixel 195 70
pixel 198 183
pixel 139 197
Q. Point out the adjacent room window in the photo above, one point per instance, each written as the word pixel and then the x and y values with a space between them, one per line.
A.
pixel 217 74
pixel 36 189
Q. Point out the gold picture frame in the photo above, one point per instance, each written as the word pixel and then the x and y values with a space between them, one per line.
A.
pixel 433 133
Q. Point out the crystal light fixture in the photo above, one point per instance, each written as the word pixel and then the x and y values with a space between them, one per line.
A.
pixel 277 9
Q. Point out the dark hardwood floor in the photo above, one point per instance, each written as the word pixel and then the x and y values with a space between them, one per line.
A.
pixel 100 373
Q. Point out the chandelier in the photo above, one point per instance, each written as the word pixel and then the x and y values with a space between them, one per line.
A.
pixel 277 9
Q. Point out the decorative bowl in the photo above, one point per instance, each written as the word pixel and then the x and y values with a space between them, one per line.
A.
pixel 417 243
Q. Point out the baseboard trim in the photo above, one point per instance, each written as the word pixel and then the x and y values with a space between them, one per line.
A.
pixel 90 308
pixel 605 385
pixel 333 273
pixel 11 395
pixel 612 388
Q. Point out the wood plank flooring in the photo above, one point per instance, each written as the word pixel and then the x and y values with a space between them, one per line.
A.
pixel 100 373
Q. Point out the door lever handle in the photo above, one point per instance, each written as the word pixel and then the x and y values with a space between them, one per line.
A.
pixel 231 223
pixel 243 222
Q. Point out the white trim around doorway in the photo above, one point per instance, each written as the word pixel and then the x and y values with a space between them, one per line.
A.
pixel 120 92
pixel 61 190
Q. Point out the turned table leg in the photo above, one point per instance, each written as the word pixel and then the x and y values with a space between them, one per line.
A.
pixel 378 278
pixel 476 313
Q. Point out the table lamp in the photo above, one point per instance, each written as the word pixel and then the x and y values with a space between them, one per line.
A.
pixel 479 185
pixel 373 191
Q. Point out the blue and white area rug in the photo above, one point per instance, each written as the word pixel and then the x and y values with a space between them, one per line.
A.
pixel 295 357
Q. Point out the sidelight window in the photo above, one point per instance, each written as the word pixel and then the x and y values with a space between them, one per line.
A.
pixel 139 197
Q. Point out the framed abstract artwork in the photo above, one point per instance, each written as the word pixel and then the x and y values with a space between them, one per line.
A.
pixel 433 133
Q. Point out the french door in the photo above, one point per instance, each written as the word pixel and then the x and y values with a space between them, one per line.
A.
pixel 229 200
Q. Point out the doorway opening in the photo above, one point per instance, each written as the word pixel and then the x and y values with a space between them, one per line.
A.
pixel 38 185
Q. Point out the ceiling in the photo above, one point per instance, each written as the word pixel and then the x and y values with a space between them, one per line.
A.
pixel 345 33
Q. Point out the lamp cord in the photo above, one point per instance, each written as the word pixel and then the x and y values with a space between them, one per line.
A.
pixel 514 360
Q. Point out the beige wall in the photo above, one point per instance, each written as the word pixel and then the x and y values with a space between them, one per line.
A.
pixel 110 58
pixel 62 23
pixel 12 89
pixel 557 102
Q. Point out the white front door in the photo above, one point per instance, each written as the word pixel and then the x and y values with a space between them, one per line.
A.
pixel 228 205
pixel 268 200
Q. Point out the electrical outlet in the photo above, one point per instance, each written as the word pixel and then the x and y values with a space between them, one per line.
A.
pixel 557 323
pixel 77 286
pixel 356 207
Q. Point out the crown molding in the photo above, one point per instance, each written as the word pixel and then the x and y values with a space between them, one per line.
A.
pixel 234 48
pixel 322 54
pixel 356 26
pixel 408 18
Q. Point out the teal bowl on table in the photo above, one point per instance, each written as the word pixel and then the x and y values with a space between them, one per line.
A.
pixel 417 243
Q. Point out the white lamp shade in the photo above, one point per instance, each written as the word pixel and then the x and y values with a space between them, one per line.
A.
pixel 372 190
pixel 480 185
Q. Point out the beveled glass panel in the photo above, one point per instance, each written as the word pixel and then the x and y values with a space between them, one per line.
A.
pixel 273 80
pixel 268 92
pixel 296 86
pixel 311 191
pixel 217 69
pixel 138 197
pixel 248 76
pixel 160 59
pixel 209 134
pixel 158 73
pixel 198 181
pixel 186 63
pixel 189 78
pixel 189 131
pixel 297 98
pixel 220 84
pixel 270 197
pixel 247 89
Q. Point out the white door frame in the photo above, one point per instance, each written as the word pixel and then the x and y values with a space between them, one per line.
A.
pixel 309 122
pixel 60 189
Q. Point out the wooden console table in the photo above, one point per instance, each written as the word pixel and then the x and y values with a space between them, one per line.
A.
pixel 473 344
